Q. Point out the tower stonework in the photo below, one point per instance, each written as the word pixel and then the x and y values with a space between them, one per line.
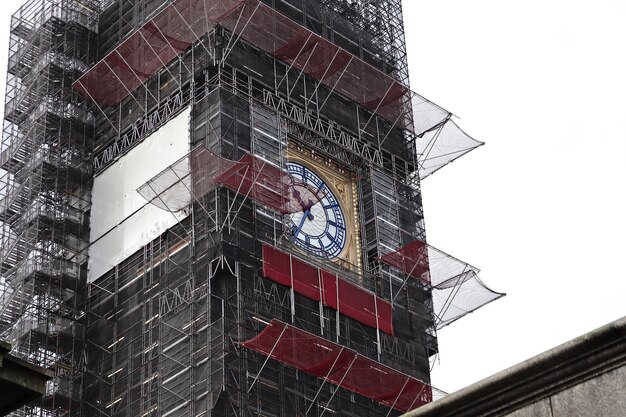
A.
pixel 214 208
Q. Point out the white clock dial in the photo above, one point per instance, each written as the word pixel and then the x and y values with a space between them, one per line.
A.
pixel 320 228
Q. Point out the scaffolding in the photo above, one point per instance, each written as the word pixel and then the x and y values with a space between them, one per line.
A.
pixel 455 287
pixel 250 288
pixel 223 314
pixel 383 102
pixel 46 172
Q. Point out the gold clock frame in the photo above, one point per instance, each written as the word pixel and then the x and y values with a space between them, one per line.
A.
pixel 345 187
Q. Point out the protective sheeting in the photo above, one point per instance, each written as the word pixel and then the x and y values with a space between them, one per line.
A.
pixel 201 171
pixel 411 259
pixel 460 296
pixel 121 221
pixel 271 31
pixel 151 48
pixel 334 292
pixel 183 22
pixel 456 288
pixel 340 366
pixel 439 147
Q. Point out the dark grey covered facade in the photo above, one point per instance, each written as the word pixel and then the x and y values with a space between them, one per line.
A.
pixel 162 330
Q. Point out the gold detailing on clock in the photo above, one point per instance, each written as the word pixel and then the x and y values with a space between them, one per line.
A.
pixel 345 187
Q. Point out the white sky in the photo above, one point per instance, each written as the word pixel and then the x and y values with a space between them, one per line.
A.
pixel 541 207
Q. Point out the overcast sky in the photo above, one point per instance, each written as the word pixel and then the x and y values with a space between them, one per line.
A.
pixel 540 208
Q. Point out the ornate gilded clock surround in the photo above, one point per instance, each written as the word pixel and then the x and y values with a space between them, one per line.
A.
pixel 345 187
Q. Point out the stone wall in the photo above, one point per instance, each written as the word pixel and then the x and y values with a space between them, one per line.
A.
pixel 585 377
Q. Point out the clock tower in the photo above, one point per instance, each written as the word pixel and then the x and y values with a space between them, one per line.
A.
pixel 213 208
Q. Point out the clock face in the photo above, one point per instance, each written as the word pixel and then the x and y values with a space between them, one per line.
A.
pixel 320 228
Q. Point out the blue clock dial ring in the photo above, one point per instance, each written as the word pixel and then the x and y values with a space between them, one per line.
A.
pixel 320 228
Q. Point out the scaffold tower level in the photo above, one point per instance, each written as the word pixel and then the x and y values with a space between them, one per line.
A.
pixel 213 208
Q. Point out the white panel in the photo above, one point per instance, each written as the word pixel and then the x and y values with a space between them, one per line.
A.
pixel 121 220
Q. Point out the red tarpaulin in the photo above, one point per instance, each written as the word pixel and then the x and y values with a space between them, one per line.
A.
pixel 269 185
pixel 201 171
pixel 456 288
pixel 412 259
pixel 340 366
pixel 183 22
pixel 320 285
pixel 151 48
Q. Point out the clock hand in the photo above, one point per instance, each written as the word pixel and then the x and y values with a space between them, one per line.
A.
pixel 305 216
pixel 296 194
pixel 305 205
